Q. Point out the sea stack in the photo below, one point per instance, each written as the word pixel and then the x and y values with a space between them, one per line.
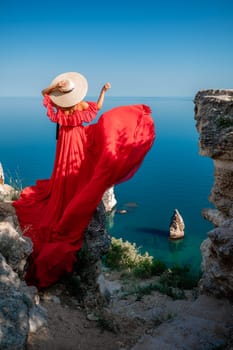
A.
pixel 176 226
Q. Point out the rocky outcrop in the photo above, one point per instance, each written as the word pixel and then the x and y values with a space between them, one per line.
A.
pixel 214 122
pixel 96 244
pixel 20 312
pixel 109 200
pixel 177 226
pixel 7 192
pixel 217 253
pixel 2 177
pixel 13 245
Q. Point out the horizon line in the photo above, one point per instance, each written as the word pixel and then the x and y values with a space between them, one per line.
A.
pixel 109 96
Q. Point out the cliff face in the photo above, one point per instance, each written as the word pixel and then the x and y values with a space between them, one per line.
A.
pixel 214 122
pixel 20 311
pixel 214 117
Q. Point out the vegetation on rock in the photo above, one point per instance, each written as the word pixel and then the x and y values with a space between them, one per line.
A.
pixel 126 257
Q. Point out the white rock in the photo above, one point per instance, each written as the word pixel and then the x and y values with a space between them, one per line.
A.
pixel 176 226
pixel 109 199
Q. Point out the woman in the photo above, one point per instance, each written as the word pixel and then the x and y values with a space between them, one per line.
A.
pixel 89 159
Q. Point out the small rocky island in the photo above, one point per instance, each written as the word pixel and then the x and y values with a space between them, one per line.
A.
pixel 55 319
pixel 177 226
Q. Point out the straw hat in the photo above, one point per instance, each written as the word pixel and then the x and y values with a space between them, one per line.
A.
pixel 74 91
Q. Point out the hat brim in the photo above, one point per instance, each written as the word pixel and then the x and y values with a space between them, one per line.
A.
pixel 71 98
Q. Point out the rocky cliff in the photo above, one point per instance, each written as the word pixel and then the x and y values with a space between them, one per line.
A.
pixel 214 122
pixel 21 313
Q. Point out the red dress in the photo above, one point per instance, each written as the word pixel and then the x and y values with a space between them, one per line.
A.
pixel 89 159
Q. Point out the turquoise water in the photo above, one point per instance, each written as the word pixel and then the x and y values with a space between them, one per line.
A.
pixel 173 175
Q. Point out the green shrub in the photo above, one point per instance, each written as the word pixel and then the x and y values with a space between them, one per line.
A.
pixel 147 267
pixel 125 255
pixel 158 267
pixel 178 277
pixel 143 268
pixel 174 293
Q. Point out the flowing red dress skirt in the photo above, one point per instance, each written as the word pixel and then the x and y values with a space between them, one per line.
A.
pixel 89 159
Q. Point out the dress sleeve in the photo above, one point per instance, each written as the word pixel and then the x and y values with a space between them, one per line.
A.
pixel 51 110
pixel 90 113
pixel 74 119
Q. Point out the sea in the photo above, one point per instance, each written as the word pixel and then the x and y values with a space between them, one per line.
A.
pixel 172 176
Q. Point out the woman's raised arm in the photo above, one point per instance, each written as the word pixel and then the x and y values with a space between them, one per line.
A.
pixel 62 86
pixel 102 94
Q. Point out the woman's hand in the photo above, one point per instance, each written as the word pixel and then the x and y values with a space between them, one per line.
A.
pixel 106 87
pixel 64 85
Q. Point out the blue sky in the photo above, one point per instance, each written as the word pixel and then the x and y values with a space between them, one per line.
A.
pixel 144 48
